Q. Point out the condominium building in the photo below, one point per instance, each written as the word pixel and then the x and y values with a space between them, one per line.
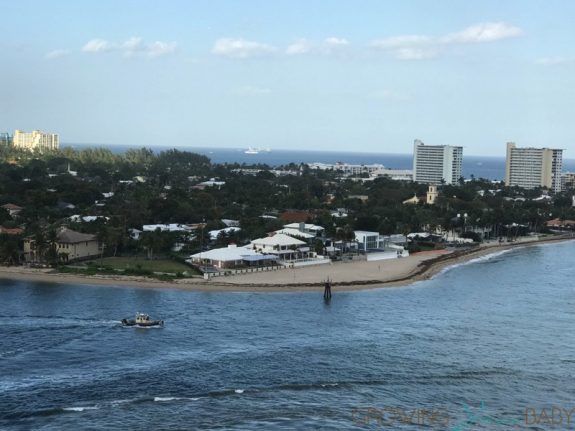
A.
pixel 434 164
pixel 533 167
pixel 5 139
pixel 568 181
pixel 36 140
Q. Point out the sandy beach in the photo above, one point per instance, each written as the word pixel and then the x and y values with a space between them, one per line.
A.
pixel 343 275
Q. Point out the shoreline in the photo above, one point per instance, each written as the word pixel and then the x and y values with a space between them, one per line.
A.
pixel 360 275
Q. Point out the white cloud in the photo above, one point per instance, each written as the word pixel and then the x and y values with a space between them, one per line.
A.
pixel 57 53
pixel 484 32
pixel 420 47
pixel 397 42
pixel 249 90
pixel 336 41
pixel 161 48
pixel 328 46
pixel 301 46
pixel 133 46
pixel 97 45
pixel 241 48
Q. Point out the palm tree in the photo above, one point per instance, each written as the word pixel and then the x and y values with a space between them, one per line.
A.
pixel 9 250
pixel 39 245
pixel 51 253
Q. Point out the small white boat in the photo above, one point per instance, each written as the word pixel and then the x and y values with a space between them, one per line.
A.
pixel 142 320
pixel 252 150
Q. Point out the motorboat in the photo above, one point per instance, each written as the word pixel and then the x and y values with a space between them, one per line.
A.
pixel 252 150
pixel 142 320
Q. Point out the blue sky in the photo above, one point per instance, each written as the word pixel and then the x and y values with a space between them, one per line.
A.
pixel 318 75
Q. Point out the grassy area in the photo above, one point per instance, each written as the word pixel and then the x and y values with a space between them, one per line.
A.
pixel 140 263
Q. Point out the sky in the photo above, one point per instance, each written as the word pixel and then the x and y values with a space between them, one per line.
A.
pixel 368 76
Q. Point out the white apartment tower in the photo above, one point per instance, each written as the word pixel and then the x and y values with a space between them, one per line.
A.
pixel 433 164
pixel 35 140
pixel 533 167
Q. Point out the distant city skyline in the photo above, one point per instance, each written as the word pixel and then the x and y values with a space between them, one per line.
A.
pixel 332 76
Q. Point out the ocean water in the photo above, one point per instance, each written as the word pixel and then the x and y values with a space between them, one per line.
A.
pixel 491 168
pixel 483 346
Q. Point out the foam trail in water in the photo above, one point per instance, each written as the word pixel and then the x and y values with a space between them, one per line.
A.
pixel 80 409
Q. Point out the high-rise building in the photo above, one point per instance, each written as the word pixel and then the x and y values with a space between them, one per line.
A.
pixel 434 164
pixel 36 140
pixel 533 167
pixel 5 139
pixel 568 181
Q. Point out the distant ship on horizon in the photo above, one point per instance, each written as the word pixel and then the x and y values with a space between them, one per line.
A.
pixel 252 150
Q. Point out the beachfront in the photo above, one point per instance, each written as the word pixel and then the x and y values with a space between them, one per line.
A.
pixel 342 275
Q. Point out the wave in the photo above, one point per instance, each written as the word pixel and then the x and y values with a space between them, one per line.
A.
pixel 80 409
pixel 164 399
pixel 479 259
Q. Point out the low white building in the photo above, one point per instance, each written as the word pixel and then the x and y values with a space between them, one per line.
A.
pixel 87 219
pixel 134 234
pixel 171 227
pixel 312 229
pixel 227 230
pixel 296 233
pixel 232 256
pixel 212 182
pixel 394 174
pixel 231 223
pixel 347 168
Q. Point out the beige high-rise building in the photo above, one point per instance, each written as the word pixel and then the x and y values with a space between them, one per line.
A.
pixel 533 167
pixel 36 140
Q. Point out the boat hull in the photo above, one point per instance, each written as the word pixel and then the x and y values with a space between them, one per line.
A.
pixel 151 323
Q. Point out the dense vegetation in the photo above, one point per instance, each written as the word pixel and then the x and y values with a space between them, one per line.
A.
pixel 165 188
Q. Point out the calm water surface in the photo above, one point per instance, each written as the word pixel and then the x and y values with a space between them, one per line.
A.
pixel 478 345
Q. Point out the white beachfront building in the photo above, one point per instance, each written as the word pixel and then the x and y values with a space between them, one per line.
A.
pixel 232 256
pixel 368 240
pixel 284 246
pixel 312 229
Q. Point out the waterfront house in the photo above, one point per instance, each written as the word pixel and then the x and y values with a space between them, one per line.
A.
pixel 558 223
pixel 232 256
pixel 70 245
pixel 368 240
pixel 311 229
pixel 284 246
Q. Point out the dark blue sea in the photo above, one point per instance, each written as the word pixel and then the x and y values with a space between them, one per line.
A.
pixel 483 346
pixel 491 168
